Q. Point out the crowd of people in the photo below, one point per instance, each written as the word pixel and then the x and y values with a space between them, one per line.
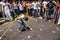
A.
pixel 10 10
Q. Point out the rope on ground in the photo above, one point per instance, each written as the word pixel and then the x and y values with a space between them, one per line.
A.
pixel 6 27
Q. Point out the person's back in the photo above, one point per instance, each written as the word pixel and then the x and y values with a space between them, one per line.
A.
pixel 50 9
pixel 50 5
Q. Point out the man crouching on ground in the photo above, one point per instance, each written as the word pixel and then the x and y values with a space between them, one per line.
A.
pixel 21 24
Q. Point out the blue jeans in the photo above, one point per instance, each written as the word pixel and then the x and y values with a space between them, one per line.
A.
pixel 55 15
pixel 35 13
pixel 21 24
pixel 49 12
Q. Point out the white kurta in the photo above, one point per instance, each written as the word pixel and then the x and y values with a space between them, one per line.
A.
pixel 34 5
pixel 21 6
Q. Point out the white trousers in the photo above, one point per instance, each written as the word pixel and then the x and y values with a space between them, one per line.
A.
pixel 8 14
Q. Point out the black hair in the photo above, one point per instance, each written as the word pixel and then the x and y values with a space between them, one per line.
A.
pixel 26 18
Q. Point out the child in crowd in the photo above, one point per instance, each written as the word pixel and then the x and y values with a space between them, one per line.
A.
pixel 22 26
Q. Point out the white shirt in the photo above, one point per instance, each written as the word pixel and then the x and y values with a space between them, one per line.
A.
pixel 2 3
pixel 15 5
pixel 21 7
pixel 45 3
pixel 38 5
pixel 5 5
pixel 34 5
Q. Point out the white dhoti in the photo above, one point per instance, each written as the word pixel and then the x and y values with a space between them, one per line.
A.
pixel 8 14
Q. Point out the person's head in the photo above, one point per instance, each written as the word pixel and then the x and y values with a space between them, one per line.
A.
pixel 26 18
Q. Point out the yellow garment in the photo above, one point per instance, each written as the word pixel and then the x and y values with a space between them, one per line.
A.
pixel 27 5
pixel 42 8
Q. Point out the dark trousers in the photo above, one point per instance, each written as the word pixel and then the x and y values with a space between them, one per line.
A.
pixel 12 14
pixel 49 13
pixel 30 12
pixel 16 11
pixel 56 16
pixel 1 14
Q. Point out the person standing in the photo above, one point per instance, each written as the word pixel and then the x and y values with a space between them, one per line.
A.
pixel 58 12
pixel 15 8
pixel 27 7
pixel 50 8
pixel 21 7
pixel 39 7
pixel 6 10
pixel 35 9
pixel 44 4
pixel 13 14
pixel 45 8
